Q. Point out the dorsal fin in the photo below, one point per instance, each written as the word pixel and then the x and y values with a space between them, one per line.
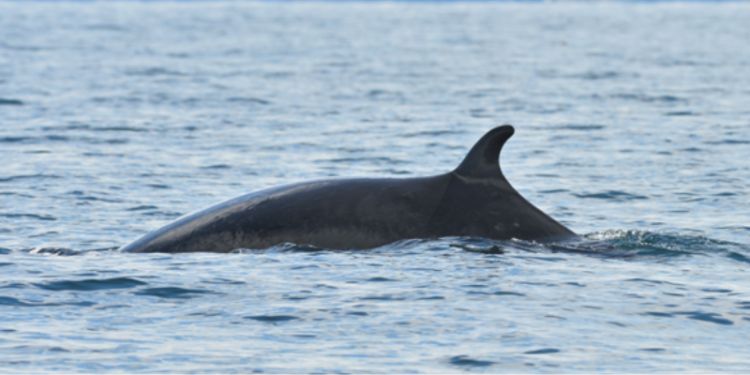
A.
pixel 483 161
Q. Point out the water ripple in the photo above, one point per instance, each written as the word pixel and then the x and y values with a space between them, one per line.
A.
pixel 11 301
pixel 173 292
pixel 612 195
pixel 91 284
pixel 272 318
pixel 28 216
pixel 4 101
pixel 29 177
pixel 466 361
pixel 543 351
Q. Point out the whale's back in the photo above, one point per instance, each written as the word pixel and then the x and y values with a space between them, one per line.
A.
pixel 347 213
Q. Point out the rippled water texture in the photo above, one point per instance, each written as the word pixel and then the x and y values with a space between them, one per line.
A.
pixel 632 129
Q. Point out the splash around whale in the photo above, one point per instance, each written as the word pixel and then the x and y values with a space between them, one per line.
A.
pixel 473 200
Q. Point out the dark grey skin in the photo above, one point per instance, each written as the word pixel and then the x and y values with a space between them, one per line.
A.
pixel 473 200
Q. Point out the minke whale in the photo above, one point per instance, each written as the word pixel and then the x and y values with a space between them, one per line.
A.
pixel 474 200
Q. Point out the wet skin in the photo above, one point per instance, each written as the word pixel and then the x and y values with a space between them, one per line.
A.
pixel 473 200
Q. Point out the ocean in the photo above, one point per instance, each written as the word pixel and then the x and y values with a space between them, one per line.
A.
pixel 632 128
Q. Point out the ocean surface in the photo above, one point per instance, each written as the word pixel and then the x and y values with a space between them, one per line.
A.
pixel 632 128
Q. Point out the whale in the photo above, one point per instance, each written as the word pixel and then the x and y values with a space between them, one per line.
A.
pixel 473 200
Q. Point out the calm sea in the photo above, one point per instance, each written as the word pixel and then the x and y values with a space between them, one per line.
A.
pixel 632 128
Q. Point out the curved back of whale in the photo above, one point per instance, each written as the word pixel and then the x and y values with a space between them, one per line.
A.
pixel 475 199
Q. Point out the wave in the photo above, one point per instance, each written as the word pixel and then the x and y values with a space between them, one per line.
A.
pixel 91 284
pixel 642 244
pixel 616 243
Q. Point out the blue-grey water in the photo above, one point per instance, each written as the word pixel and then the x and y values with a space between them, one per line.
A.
pixel 633 129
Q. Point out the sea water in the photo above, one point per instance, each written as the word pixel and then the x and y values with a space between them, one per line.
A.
pixel 632 128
